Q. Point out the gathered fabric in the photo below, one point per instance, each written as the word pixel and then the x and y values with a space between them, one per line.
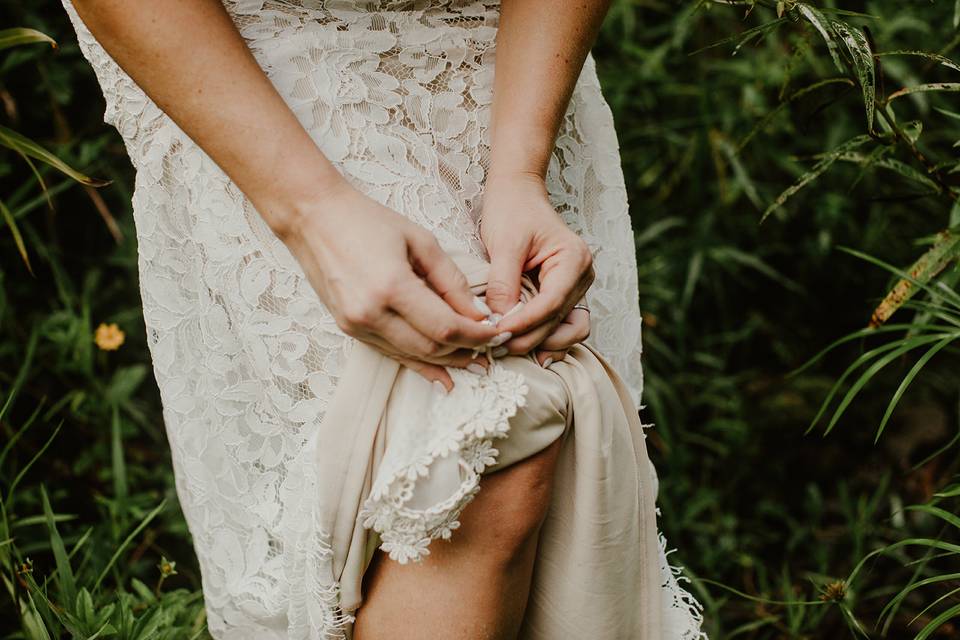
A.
pixel 410 458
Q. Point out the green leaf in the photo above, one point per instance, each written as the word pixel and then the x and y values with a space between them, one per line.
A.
pixel 856 335
pixel 822 24
pixel 16 481
pixel 907 345
pixel 907 379
pixel 796 95
pixel 15 232
pixel 917 585
pixel 921 88
pixel 950 518
pixel 945 61
pixel 744 37
pixel 939 621
pixel 20 35
pixel 117 461
pixel 893 165
pixel 949 492
pixel 856 364
pixel 824 163
pixel 124 383
pixel 65 577
pixel 133 534
pixel 861 56
pixel 21 144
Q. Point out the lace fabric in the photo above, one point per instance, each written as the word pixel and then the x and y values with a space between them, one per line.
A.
pixel 397 95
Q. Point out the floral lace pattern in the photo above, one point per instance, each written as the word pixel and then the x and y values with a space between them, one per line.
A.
pixel 462 424
pixel 397 95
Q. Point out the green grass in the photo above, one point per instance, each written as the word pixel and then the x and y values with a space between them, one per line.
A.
pixel 791 439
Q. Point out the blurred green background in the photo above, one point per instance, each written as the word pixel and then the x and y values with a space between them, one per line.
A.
pixel 810 502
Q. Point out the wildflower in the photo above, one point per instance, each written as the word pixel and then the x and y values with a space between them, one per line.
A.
pixel 25 567
pixel 109 337
pixel 834 591
pixel 167 567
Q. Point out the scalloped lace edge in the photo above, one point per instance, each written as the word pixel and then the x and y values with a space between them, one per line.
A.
pixel 406 533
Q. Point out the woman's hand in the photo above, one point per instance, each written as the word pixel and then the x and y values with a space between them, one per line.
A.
pixel 387 282
pixel 523 232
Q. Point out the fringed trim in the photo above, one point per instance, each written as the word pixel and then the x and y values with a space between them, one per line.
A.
pixel 683 615
pixel 480 407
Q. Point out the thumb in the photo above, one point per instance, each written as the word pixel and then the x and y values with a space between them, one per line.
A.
pixel 503 283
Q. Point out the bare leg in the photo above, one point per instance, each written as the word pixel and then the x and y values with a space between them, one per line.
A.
pixel 474 586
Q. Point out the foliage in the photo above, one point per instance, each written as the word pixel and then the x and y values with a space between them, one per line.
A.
pixel 809 118
pixel 836 126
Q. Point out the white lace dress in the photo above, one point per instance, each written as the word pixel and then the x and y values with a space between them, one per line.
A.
pixel 397 95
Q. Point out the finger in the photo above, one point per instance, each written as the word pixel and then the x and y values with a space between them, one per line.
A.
pixel 530 340
pixel 503 280
pixel 426 312
pixel 404 339
pixel 443 275
pixel 433 373
pixel 461 358
pixel 547 358
pixel 563 281
pixel 574 329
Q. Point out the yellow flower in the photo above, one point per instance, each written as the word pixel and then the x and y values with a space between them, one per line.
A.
pixel 109 337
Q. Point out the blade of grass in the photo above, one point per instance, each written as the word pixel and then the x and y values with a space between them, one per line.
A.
pixel 133 534
pixel 66 579
pixel 907 379
pixel 872 370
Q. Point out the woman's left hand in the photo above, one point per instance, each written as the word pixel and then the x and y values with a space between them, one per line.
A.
pixel 523 232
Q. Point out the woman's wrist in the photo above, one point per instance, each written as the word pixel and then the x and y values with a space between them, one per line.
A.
pixel 512 180
pixel 287 210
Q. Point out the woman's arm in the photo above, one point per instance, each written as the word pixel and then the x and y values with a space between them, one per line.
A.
pixel 188 56
pixel 541 47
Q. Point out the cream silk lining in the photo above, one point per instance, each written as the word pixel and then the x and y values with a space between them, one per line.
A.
pixel 598 567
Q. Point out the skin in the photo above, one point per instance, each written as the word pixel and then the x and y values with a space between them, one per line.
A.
pixel 384 278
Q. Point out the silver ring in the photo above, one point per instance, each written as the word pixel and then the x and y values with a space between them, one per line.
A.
pixel 581 306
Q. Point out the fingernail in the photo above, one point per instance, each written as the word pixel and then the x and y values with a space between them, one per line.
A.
pixel 473 367
pixel 439 388
pixel 482 306
pixel 499 352
pixel 547 362
pixel 499 339
pixel 495 318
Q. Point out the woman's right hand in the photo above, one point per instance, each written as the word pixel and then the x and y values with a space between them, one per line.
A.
pixel 387 282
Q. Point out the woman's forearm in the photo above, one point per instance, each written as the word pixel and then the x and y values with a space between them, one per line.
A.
pixel 188 56
pixel 541 47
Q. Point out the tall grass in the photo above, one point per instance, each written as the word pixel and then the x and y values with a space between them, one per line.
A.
pixel 792 172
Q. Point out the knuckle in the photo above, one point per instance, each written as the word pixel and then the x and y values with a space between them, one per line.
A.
pixel 432 349
pixel 498 289
pixel 447 333
pixel 384 291
pixel 360 315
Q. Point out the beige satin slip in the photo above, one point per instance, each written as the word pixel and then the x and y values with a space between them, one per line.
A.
pixel 401 460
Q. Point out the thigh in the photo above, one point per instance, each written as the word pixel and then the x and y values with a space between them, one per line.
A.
pixel 498 529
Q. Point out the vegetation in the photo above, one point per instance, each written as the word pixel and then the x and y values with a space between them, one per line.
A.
pixel 792 170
